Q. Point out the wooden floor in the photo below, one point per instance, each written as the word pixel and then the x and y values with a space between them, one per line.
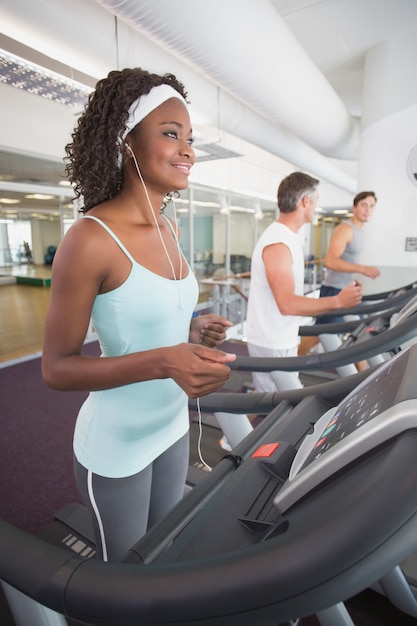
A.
pixel 22 314
pixel 23 308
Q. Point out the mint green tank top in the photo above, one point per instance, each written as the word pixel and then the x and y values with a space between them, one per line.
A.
pixel 120 431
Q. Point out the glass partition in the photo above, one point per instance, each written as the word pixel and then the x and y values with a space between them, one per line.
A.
pixel 218 232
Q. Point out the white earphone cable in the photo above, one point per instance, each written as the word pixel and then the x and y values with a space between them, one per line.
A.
pixel 178 281
pixel 200 435
pixel 158 228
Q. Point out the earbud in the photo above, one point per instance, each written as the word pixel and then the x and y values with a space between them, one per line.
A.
pixel 128 148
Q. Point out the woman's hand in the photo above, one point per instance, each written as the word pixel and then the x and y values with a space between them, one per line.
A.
pixel 198 370
pixel 209 330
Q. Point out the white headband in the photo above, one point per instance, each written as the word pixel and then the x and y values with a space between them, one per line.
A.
pixel 141 107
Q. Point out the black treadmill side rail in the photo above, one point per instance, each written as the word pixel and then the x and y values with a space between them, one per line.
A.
pixel 364 309
pixel 390 339
pixel 389 294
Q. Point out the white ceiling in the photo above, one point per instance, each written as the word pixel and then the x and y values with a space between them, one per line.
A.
pixel 335 35
pixel 290 73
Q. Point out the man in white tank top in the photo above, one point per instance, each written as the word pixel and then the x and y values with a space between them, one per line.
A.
pixel 276 296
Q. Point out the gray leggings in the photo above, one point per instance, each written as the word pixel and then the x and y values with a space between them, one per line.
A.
pixel 123 509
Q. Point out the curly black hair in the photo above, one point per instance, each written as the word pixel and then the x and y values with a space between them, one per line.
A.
pixel 92 161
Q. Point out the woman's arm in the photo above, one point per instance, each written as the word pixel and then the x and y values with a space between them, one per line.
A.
pixel 78 272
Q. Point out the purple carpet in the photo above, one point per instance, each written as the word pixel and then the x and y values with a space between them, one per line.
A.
pixel 37 423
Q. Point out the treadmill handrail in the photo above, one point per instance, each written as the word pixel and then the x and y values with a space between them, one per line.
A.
pixel 389 294
pixel 365 309
pixel 262 403
pixel 390 339
pixel 342 327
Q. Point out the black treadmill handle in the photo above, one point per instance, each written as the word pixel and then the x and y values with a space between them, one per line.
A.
pixel 389 294
pixel 262 403
pixel 339 328
pixel 365 309
pixel 390 339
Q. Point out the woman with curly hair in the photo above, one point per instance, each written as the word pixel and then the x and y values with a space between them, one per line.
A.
pixel 121 265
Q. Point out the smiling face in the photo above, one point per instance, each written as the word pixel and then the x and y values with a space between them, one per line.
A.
pixel 162 144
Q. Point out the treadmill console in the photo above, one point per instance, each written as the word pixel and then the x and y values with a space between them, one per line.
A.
pixel 381 407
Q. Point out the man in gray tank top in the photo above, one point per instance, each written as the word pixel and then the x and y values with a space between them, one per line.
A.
pixel 346 245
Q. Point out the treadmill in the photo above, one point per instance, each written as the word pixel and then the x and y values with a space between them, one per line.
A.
pixel 314 506
pixel 375 338
pixel 374 315
pixel 384 339
pixel 73 525
pixel 383 295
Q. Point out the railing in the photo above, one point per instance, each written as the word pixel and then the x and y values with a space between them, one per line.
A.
pixel 229 295
pixel 314 272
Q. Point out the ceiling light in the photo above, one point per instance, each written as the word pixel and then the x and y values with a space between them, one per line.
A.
pixel 39 216
pixel 9 201
pixel 35 79
pixel 207 204
pixel 39 196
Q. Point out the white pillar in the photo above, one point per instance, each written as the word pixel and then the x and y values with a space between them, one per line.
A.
pixel 389 135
